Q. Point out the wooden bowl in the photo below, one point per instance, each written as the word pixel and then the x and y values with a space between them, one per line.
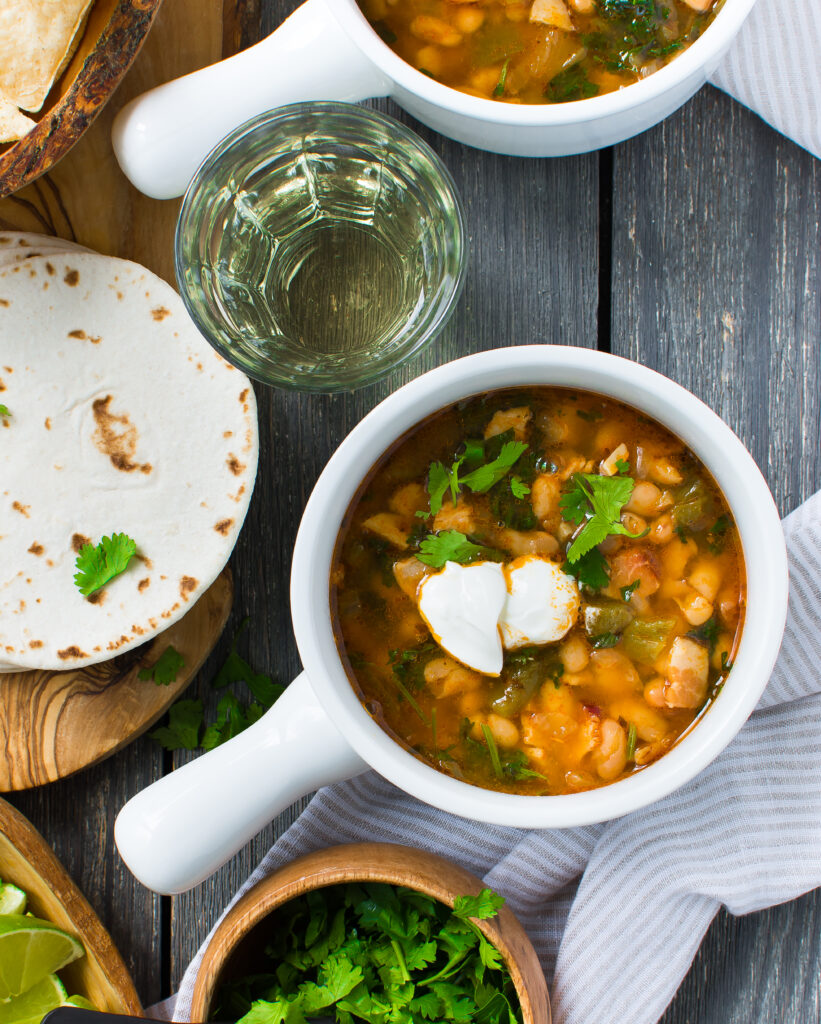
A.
pixel 371 862
pixel 26 860
pixel 111 39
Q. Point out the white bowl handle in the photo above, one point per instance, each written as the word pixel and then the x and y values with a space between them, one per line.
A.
pixel 161 137
pixel 180 829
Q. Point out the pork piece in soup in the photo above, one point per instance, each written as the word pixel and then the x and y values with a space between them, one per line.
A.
pixel 539 51
pixel 538 591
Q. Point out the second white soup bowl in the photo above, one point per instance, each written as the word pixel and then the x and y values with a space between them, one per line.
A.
pixel 179 830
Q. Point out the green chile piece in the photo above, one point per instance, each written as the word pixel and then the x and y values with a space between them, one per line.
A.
pixel 606 617
pixel 645 639
pixel 694 507
pixel 522 679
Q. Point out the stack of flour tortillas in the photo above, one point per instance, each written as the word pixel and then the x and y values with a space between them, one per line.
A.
pixel 120 419
pixel 37 40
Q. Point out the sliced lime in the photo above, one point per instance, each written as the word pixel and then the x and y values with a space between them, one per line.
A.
pixel 80 1001
pixel 30 950
pixel 12 899
pixel 33 1005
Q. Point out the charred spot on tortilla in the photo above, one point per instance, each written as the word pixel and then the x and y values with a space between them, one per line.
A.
pixel 48 422
pixel 187 584
pixel 2 386
pixel 144 583
pixel 116 437
pixel 50 269
pixel 160 313
pixel 78 542
pixel 243 395
pixel 22 509
pixel 71 652
pixel 233 463
pixel 72 278
pixel 35 644
pixel 78 334
pixel 36 549
pixel 4 303
pixel 223 526
pixel 98 597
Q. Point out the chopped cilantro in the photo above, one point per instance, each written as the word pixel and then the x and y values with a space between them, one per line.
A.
pixel 623 466
pixel 165 668
pixel 4 411
pixel 726 664
pixel 604 640
pixel 591 415
pixel 715 535
pixel 494 753
pixel 596 501
pixel 572 84
pixel 628 591
pixel 97 565
pixel 452 546
pixel 518 487
pixel 706 634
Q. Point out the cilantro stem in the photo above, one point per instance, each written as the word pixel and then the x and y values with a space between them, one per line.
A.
pixel 400 960
pixel 631 741
pixel 410 699
pixel 494 753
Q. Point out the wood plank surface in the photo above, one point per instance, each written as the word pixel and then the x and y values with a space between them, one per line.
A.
pixel 710 272
pixel 716 281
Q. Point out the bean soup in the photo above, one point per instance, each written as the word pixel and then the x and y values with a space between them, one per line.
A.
pixel 539 51
pixel 538 591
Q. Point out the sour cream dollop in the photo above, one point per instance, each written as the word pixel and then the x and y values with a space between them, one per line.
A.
pixel 541 605
pixel 461 605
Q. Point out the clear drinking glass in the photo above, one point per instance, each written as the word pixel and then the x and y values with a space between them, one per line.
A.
pixel 320 246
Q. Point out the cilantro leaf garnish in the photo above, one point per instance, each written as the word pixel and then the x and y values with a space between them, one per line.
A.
pixel 182 731
pixel 165 668
pixel 483 478
pixel 96 565
pixel 623 466
pixel 480 478
pixel 4 411
pixel 452 546
pixel 706 634
pixel 628 591
pixel 596 502
pixel 604 640
pixel 590 570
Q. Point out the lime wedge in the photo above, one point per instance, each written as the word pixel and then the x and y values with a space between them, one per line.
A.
pixel 30 950
pixel 12 899
pixel 80 1001
pixel 32 1006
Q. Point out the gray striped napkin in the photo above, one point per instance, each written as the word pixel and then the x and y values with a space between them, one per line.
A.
pixel 775 69
pixel 746 834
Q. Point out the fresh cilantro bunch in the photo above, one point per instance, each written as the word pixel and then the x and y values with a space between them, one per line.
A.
pixel 380 954
pixel 98 564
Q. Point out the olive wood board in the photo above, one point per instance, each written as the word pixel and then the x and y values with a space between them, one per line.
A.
pixel 28 862
pixel 53 724
pixel 110 39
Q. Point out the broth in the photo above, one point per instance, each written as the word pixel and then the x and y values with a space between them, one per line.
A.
pixel 541 51
pixel 653 620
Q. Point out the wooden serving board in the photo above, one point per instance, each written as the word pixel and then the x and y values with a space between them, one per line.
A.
pixel 54 724
pixel 28 862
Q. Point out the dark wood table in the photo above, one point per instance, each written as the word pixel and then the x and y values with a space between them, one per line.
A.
pixel 695 249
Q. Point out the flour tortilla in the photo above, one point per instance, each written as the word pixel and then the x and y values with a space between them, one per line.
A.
pixel 37 39
pixel 13 124
pixel 123 419
pixel 17 246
